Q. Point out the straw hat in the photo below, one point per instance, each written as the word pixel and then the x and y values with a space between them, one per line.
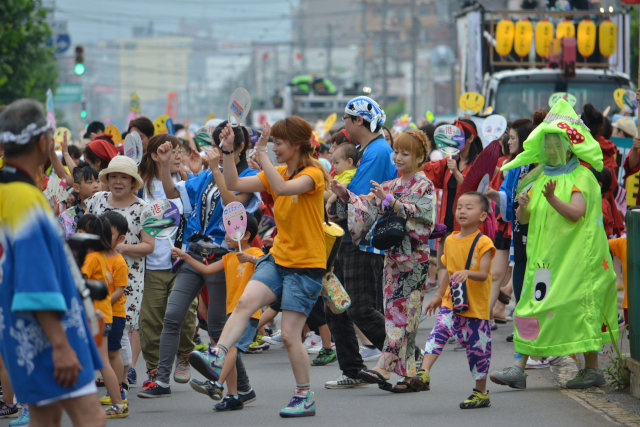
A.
pixel 125 165
pixel 627 126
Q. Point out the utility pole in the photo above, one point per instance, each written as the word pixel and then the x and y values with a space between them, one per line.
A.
pixel 385 7
pixel 303 59
pixel 414 60
pixel 363 42
pixel 329 47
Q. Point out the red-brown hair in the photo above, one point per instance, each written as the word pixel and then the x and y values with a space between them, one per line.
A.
pixel 415 142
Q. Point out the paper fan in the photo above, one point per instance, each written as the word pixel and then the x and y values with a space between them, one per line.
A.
pixel 484 164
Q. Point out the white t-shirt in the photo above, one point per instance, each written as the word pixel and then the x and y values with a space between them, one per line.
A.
pixel 160 258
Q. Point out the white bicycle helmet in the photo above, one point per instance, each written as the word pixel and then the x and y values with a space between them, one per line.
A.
pixel 368 109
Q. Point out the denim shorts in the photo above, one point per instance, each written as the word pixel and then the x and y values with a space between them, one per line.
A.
pixel 294 290
pixel 248 335
pixel 115 335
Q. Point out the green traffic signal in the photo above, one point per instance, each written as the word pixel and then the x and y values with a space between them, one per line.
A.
pixel 83 114
pixel 79 69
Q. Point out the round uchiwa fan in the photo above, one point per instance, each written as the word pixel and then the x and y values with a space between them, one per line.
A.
pixel 450 139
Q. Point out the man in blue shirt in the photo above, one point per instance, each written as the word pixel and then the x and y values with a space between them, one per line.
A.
pixel 360 268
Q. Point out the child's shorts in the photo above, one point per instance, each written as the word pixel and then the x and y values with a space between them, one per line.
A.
pixel 106 330
pixel 474 334
pixel 248 335
pixel 115 336
pixel 296 291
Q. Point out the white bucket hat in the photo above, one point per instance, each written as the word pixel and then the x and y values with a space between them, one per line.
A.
pixel 125 165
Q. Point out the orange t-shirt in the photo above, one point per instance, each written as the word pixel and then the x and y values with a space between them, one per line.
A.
pixel 95 268
pixel 237 275
pixel 300 239
pixel 456 251
pixel 619 250
pixel 119 272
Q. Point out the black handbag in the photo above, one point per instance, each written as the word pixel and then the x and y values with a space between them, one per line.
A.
pixel 388 232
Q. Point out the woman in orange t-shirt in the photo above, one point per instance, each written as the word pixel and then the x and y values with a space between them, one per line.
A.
pixel 291 274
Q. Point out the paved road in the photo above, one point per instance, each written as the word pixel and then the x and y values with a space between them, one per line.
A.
pixel 542 404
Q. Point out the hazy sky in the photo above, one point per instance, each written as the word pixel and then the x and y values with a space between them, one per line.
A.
pixel 241 20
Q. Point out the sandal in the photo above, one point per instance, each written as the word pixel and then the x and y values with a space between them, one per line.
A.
pixel 374 377
pixel 420 382
pixel 402 387
pixel 117 411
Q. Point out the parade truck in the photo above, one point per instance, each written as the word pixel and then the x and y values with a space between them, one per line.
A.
pixel 518 59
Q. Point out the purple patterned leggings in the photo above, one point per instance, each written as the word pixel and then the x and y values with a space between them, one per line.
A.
pixel 474 334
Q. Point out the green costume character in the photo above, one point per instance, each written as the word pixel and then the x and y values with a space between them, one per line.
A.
pixel 569 285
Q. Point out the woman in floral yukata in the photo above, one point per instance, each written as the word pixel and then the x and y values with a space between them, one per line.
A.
pixel 405 266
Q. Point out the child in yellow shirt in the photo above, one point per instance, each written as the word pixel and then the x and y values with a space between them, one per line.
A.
pixel 95 268
pixel 618 249
pixel 238 268
pixel 467 256
pixel 345 159
pixel 117 267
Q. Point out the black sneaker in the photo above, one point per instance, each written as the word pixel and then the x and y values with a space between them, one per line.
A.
pixel 247 396
pixel 229 403
pixel 213 389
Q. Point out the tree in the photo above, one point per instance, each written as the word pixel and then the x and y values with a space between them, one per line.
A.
pixel 27 66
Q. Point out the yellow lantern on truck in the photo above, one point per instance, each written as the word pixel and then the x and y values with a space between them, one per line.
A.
pixel 523 37
pixel 565 29
pixel 504 37
pixel 607 34
pixel 586 37
pixel 544 35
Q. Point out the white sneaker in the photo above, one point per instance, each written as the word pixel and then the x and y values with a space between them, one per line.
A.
pixel 275 339
pixel 369 354
pixel 315 349
pixel 537 364
pixel 345 382
pixel 312 340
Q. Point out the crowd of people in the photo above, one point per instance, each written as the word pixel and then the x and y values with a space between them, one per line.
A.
pixel 543 232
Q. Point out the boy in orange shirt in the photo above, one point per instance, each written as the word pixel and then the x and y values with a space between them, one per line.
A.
pixel 470 327
pixel 238 268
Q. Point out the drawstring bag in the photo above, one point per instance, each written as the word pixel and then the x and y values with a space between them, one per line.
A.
pixel 459 296
pixel 333 292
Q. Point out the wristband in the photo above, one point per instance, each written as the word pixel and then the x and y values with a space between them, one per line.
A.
pixel 226 152
pixel 262 149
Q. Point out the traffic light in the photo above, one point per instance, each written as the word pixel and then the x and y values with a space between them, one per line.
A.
pixel 83 111
pixel 79 67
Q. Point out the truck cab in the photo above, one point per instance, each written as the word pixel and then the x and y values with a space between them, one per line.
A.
pixel 515 93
